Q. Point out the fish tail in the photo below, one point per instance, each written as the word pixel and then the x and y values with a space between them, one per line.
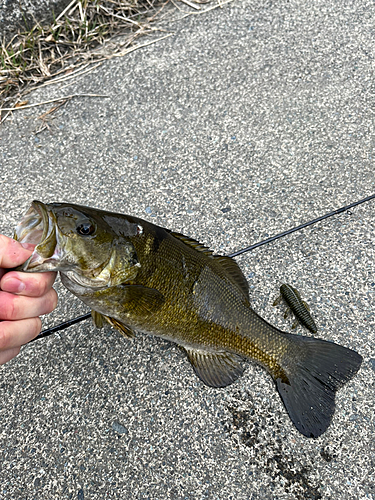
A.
pixel 315 369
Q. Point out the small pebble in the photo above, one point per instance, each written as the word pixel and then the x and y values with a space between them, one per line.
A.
pixel 116 426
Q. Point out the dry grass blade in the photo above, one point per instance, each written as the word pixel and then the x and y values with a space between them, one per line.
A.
pixel 190 4
pixel 65 48
pixel 47 117
pixel 57 99
pixel 33 57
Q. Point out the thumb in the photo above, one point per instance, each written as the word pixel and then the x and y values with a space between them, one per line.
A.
pixel 13 253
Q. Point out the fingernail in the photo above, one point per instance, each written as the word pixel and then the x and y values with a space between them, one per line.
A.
pixel 13 285
pixel 28 246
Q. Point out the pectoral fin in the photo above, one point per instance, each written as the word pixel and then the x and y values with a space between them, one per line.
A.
pixel 141 300
pixel 215 369
pixel 99 319
pixel 123 329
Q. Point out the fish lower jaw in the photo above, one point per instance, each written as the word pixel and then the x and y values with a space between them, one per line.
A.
pixel 38 263
pixel 73 280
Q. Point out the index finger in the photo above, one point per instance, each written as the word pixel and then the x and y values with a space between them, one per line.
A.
pixel 12 253
pixel 33 285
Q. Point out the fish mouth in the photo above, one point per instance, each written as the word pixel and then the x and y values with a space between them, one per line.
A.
pixel 38 227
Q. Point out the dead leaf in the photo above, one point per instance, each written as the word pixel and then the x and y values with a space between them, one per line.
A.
pixel 20 104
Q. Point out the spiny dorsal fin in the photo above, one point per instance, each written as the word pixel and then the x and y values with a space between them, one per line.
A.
pixel 192 243
pixel 215 369
pixel 231 268
pixel 234 274
pixel 98 320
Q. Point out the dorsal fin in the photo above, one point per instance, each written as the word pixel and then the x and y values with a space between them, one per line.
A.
pixel 192 243
pixel 215 369
pixel 230 266
pixel 234 274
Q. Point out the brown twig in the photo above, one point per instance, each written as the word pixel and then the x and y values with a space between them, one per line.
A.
pixel 53 100
pixel 39 57
pixel 190 4
pixel 131 49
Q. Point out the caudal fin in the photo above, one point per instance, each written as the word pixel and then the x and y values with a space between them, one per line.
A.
pixel 315 374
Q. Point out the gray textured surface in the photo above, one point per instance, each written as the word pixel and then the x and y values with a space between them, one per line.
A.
pixel 22 14
pixel 263 108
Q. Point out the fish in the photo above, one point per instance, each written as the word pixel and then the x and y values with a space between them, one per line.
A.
pixel 298 306
pixel 138 276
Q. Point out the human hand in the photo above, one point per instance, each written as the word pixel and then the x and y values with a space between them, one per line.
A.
pixel 23 298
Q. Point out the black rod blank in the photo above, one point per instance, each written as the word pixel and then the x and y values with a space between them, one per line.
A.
pixel 61 326
pixel 67 324
pixel 302 226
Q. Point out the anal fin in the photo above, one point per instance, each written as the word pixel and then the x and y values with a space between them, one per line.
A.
pixel 215 369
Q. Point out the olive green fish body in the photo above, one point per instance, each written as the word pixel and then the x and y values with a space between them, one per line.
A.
pixel 138 276
pixel 205 302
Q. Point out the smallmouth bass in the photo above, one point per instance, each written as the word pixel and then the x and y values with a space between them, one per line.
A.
pixel 139 276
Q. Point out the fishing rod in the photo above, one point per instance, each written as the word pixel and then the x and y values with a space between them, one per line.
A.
pixel 67 324
pixel 302 226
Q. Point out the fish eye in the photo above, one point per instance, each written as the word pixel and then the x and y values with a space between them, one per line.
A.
pixel 85 229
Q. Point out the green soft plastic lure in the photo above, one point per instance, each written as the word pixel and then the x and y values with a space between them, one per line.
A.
pixel 296 305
